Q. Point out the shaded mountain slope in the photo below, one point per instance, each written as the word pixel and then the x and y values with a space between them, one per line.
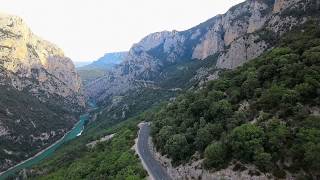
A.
pixel 41 92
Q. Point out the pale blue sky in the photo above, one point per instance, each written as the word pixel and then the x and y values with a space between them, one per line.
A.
pixel 86 29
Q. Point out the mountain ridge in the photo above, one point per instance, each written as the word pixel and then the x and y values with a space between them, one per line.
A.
pixel 253 121
pixel 100 67
pixel 41 93
pixel 237 36
pixel 106 62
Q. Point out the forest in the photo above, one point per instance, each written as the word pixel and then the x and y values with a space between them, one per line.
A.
pixel 265 113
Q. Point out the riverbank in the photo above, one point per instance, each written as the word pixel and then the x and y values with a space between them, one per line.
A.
pixel 45 153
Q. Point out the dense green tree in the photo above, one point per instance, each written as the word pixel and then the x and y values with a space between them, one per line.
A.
pixel 164 134
pixel 248 87
pixel 305 89
pixel 198 107
pixel 246 140
pixel 177 147
pixel 203 138
pixel 220 110
pixel 215 130
pixel 215 155
pixel 312 157
pixel 263 161
pixel 215 95
pixel 312 56
pixel 276 134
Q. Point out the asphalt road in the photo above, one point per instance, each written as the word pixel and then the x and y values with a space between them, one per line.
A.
pixel 155 169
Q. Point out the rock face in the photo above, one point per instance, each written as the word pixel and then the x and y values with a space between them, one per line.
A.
pixel 242 33
pixel 28 57
pixel 40 92
pixel 195 170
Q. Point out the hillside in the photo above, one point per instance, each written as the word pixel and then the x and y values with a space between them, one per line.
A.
pixel 242 33
pixel 98 68
pixel 148 77
pixel 234 97
pixel 259 120
pixel 41 93
pixel 264 113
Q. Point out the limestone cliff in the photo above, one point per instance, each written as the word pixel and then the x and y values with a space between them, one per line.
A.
pixel 242 33
pixel 40 92
pixel 26 58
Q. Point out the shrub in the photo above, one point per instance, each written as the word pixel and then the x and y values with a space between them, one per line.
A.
pixel 245 141
pixel 215 155
pixel 263 161
pixel 177 147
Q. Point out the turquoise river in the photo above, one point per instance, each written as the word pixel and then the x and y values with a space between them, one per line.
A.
pixel 76 131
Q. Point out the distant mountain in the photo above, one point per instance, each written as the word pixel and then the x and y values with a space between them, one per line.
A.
pixel 98 68
pixel 40 92
pixel 79 64
pixel 108 61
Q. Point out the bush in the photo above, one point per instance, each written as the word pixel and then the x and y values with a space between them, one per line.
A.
pixel 312 157
pixel 263 161
pixel 220 110
pixel 245 141
pixel 203 138
pixel 177 147
pixel 215 155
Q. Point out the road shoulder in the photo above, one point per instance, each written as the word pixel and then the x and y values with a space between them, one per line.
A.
pixel 136 149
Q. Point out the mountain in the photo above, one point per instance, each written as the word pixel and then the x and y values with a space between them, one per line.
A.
pixel 168 63
pixel 107 62
pixel 98 68
pixel 79 64
pixel 236 97
pixel 244 32
pixel 41 93
pixel 258 121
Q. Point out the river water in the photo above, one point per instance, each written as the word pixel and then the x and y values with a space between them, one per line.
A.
pixel 76 131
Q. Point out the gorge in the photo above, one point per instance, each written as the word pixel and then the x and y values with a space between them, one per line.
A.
pixel 235 97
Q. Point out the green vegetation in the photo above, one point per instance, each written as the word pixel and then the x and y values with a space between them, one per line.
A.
pixel 263 113
pixel 112 159
pixel 180 74
pixel 22 115
pixel 115 159
pixel 173 80
pixel 90 75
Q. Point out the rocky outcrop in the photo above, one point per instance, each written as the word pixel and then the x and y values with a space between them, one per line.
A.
pixel 195 170
pixel 40 92
pixel 280 5
pixel 240 51
pixel 27 58
pixel 242 33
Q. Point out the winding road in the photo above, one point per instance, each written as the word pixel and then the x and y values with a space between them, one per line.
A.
pixel 154 168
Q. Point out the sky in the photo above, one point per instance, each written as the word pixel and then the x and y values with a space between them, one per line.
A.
pixel 87 29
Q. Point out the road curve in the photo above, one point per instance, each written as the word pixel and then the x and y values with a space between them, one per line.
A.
pixel 154 168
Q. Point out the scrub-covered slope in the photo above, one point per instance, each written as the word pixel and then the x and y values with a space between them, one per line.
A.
pixel 265 113
pixel 40 92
